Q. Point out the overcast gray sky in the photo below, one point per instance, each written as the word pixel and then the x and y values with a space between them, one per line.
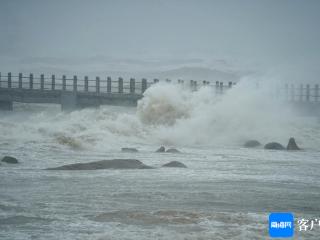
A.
pixel 267 31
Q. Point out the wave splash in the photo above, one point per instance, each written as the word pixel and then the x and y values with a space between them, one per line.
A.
pixel 168 114
pixel 179 116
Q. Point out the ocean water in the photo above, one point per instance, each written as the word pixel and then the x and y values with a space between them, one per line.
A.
pixel 227 191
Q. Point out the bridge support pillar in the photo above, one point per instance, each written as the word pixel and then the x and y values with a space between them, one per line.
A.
pixel 69 101
pixel 89 103
pixel 6 105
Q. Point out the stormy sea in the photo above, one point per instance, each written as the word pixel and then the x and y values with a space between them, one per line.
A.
pixel 226 191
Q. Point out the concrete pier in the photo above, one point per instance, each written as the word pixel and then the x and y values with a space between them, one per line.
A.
pixel 70 92
pixel 6 105
pixel 69 101
pixel 75 93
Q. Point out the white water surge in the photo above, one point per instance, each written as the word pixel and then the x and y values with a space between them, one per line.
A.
pixel 226 192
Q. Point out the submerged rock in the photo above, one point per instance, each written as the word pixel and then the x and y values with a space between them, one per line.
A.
pixel 161 149
pixel 105 164
pixel 292 144
pixel 11 160
pixel 129 150
pixel 274 146
pixel 175 164
pixel 252 144
pixel 173 150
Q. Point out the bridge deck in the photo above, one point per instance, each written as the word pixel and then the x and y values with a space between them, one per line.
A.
pixel 74 93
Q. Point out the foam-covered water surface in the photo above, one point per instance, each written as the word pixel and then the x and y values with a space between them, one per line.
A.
pixel 227 191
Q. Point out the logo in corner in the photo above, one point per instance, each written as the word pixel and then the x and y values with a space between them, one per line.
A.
pixel 281 225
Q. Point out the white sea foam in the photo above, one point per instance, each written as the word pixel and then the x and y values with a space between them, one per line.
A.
pixel 169 114
pixel 181 117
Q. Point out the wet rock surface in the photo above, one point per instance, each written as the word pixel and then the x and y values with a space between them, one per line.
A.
pixel 161 149
pixel 129 150
pixel 252 144
pixel 292 145
pixel 274 146
pixel 10 160
pixel 174 164
pixel 105 164
pixel 172 150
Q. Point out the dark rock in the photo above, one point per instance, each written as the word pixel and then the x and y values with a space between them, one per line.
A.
pixel 105 164
pixel 252 144
pixel 129 150
pixel 161 149
pixel 292 144
pixel 175 164
pixel 8 159
pixel 173 150
pixel 274 146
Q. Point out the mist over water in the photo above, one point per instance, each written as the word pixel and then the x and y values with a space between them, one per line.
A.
pixel 179 116
pixel 109 37
pixel 227 191
pixel 171 114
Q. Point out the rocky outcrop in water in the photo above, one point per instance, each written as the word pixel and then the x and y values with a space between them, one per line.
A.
pixel 173 150
pixel 174 164
pixel 292 145
pixel 129 150
pixel 252 144
pixel 274 146
pixel 10 160
pixel 161 149
pixel 105 164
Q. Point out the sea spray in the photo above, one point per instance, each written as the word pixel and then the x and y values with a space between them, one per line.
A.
pixel 163 104
pixel 181 117
pixel 168 114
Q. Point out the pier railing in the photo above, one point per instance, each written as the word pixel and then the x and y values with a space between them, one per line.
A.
pixel 299 92
pixel 74 83
pixel 107 90
pixel 79 92
pixel 94 85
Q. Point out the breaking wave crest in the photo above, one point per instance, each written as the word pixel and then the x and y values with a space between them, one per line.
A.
pixel 244 112
pixel 169 114
pixel 163 104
